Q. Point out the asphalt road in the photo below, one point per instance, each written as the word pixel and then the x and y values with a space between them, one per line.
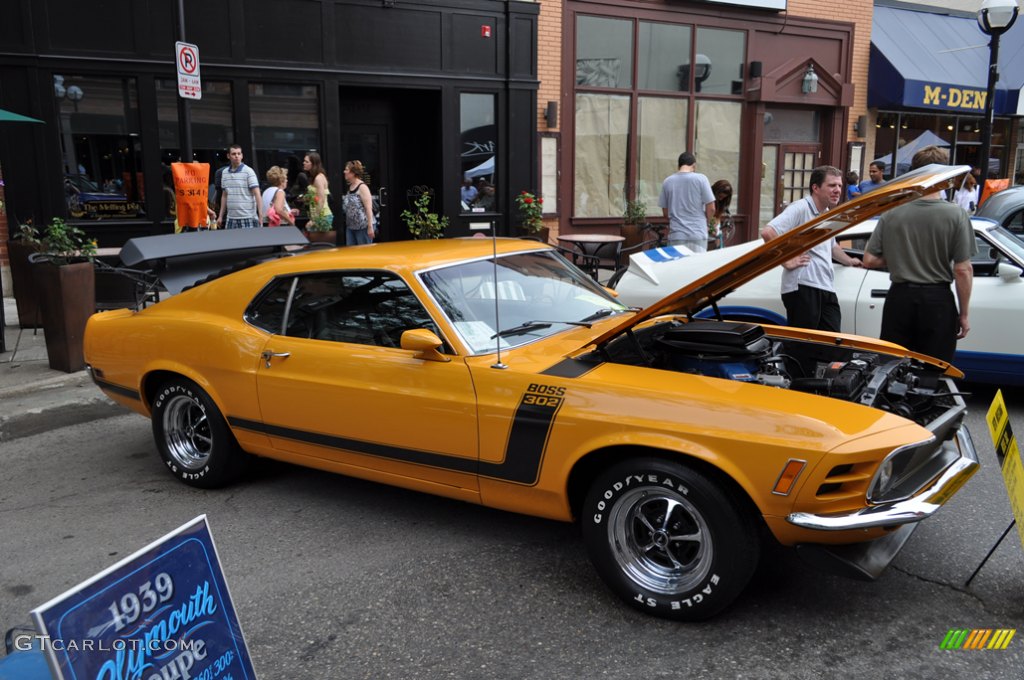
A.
pixel 339 578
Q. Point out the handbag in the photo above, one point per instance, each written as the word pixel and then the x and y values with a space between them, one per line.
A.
pixel 273 219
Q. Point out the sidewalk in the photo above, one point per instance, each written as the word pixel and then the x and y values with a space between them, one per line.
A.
pixel 35 398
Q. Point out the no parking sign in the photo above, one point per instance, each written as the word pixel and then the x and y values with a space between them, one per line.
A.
pixel 186 55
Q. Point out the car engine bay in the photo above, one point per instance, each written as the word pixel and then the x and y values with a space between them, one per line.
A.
pixel 744 352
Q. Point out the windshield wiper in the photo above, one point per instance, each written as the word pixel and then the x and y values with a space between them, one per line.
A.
pixel 600 314
pixel 534 325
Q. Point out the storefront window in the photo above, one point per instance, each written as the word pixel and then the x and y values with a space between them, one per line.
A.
pixel 285 121
pixel 212 130
pixel 100 145
pixel 602 132
pixel 719 66
pixel 604 52
pixel 478 156
pixel 717 142
pixel 668 63
pixel 664 57
pixel 791 125
pixel 961 135
pixel 661 135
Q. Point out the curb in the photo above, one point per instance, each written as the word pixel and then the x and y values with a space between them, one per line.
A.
pixel 52 403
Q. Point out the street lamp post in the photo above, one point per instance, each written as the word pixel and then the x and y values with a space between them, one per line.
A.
pixel 995 18
pixel 73 94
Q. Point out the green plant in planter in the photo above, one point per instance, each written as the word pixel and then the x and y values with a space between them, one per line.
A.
pixel 635 212
pixel 60 243
pixel 423 223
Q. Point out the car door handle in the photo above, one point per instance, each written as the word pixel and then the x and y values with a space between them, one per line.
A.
pixel 269 354
pixel 879 292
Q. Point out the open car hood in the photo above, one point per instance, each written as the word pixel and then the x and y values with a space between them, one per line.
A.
pixel 707 290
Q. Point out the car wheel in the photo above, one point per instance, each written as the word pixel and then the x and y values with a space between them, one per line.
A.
pixel 192 437
pixel 668 540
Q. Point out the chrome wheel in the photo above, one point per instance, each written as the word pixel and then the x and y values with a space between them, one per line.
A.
pixel 186 431
pixel 660 540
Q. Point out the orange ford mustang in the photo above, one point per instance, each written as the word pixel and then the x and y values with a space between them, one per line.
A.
pixel 497 373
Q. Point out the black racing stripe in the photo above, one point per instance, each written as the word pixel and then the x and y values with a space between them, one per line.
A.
pixel 437 460
pixel 524 451
pixel 527 440
pixel 570 368
pixel 116 389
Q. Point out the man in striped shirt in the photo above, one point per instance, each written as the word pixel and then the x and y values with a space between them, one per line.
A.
pixel 240 198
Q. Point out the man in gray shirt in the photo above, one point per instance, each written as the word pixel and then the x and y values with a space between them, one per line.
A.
pixel 689 204
pixel 926 245
pixel 808 282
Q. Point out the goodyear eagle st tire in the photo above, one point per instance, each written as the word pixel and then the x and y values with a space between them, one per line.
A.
pixel 668 540
pixel 192 437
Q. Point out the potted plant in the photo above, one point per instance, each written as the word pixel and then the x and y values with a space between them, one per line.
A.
pixel 423 223
pixel 318 228
pixel 66 285
pixel 24 243
pixel 531 215
pixel 634 216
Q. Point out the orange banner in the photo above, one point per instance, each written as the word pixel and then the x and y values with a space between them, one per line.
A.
pixel 191 187
pixel 992 186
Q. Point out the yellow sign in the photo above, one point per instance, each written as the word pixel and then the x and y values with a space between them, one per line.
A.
pixel 954 97
pixel 998 420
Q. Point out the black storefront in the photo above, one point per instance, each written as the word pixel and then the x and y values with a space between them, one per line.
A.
pixel 422 92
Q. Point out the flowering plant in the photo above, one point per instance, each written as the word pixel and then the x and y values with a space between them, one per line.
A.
pixel 317 219
pixel 531 210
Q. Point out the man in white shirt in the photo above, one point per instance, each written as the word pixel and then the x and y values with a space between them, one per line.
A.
pixel 808 282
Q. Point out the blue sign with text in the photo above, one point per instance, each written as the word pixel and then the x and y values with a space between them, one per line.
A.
pixel 163 613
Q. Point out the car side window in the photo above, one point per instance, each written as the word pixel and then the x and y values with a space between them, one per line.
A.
pixel 1015 222
pixel 365 308
pixel 268 310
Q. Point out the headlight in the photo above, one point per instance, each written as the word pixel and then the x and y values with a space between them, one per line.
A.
pixel 883 477
pixel 909 469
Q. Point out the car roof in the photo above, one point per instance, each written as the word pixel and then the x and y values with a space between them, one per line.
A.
pixel 404 256
pixel 1002 202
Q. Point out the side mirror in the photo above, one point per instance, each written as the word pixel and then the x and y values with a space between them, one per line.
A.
pixel 1008 272
pixel 425 342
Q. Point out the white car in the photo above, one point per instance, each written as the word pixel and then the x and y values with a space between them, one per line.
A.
pixel 992 352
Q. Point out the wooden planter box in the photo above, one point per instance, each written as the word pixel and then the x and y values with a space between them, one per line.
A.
pixel 25 295
pixel 67 294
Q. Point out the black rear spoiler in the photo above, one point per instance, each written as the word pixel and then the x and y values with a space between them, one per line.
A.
pixel 180 260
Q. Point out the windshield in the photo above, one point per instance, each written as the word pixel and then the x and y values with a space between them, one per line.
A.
pixel 1009 242
pixel 538 294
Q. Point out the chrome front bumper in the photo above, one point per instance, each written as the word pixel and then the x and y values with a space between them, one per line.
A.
pixel 915 509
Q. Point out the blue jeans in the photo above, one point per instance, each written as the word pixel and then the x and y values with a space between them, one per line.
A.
pixel 357 237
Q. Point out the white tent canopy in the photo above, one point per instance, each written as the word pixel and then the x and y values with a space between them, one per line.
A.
pixel 905 154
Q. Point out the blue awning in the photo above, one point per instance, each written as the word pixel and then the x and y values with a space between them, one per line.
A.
pixel 929 60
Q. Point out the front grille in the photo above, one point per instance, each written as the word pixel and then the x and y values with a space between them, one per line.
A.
pixel 846 481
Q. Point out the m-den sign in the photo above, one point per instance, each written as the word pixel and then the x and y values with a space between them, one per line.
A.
pixel 945 97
